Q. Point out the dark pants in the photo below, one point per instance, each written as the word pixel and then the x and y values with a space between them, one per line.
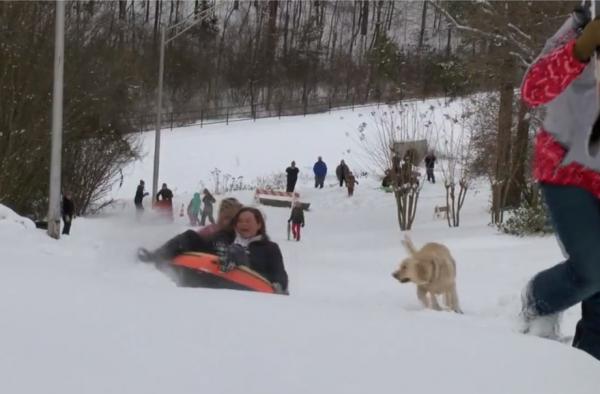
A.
pixel 430 175
pixel 207 213
pixel 319 181
pixel 342 179
pixel 291 185
pixel 67 227
pixel 576 217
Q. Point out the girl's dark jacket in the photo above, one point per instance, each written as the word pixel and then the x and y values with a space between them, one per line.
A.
pixel 297 216
pixel 264 255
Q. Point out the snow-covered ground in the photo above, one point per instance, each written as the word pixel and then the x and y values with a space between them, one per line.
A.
pixel 267 146
pixel 80 315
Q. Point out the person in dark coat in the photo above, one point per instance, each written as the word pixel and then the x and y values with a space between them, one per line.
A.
pixel 245 242
pixel 297 220
pixel 165 194
pixel 387 179
pixel 320 170
pixel 395 163
pixel 292 177
pixel 350 182
pixel 341 171
pixel 68 210
pixel 164 202
pixel 207 212
pixel 430 160
pixel 139 197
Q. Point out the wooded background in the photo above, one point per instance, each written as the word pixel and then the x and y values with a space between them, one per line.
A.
pixel 258 55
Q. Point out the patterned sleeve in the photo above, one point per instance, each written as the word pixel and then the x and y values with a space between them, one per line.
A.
pixel 550 75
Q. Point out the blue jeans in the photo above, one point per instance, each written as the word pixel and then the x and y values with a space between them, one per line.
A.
pixel 575 215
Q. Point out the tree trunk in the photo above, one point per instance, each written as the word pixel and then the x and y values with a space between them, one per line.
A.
pixel 503 168
pixel 122 17
pixel 364 28
pixel 286 25
pixel 449 41
pixel 171 13
pixel 423 25
pixel 519 157
pixel 157 8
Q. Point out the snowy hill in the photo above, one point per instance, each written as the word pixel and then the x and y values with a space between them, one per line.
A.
pixel 82 316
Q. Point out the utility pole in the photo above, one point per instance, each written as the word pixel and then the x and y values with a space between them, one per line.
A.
pixel 161 71
pixel 176 30
pixel 57 118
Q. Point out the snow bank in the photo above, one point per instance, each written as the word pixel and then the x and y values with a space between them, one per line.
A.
pixel 81 315
pixel 10 220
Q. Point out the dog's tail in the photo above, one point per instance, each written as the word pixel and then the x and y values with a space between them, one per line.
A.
pixel 409 245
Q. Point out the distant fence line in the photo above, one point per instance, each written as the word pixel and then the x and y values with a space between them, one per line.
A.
pixel 202 117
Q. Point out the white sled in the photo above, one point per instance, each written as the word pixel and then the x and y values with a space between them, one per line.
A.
pixel 274 198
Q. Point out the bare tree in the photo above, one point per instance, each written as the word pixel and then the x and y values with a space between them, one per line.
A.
pixel 455 154
pixel 391 141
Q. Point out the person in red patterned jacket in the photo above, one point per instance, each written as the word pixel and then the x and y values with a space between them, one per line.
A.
pixel 562 79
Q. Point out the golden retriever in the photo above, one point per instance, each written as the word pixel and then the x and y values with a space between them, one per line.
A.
pixel 433 270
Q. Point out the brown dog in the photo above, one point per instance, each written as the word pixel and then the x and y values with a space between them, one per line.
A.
pixel 433 270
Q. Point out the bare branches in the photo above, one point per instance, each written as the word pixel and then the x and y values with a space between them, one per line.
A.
pixel 392 138
pixel 455 151
pixel 500 28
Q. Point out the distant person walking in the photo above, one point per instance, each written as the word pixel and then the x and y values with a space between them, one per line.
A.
pixel 350 182
pixel 68 210
pixel 194 209
pixel 297 220
pixel 292 177
pixel 320 170
pixel 140 193
pixel 430 160
pixel 341 171
pixel 207 212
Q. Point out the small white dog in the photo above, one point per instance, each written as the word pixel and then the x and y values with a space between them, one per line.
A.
pixel 433 270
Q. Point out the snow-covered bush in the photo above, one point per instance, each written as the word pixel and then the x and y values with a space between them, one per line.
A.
pixel 275 181
pixel 528 219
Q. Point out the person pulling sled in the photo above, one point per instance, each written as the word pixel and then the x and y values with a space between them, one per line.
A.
pixel 297 220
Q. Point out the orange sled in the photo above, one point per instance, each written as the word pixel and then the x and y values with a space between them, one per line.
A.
pixel 202 270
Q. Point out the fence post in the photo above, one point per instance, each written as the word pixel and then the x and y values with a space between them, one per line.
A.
pixel 329 104
pixel 227 117
pixel 201 117
pixel 171 120
pixel 305 106
pixel 254 112
pixel 279 110
pixel 352 102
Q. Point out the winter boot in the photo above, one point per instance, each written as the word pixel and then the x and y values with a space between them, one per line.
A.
pixel 532 323
pixel 145 255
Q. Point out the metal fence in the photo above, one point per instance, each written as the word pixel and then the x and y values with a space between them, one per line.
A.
pixel 215 115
